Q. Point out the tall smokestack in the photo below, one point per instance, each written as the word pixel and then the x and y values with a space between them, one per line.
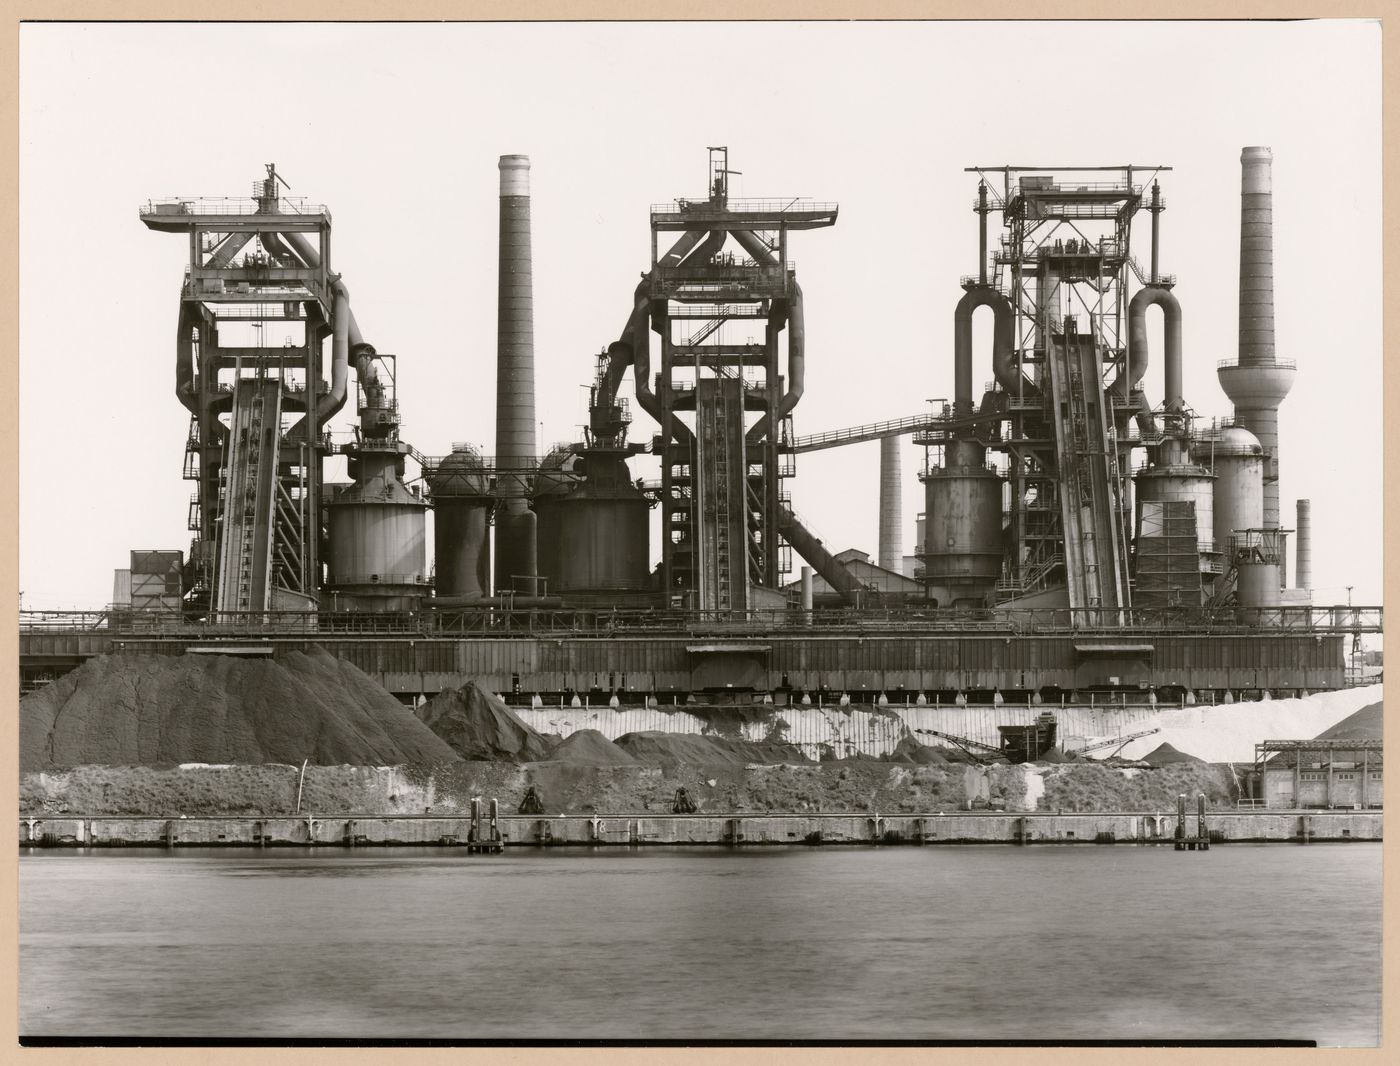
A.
pixel 1258 382
pixel 515 375
pixel 1302 546
pixel 891 542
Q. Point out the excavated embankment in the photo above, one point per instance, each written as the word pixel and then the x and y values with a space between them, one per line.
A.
pixel 197 734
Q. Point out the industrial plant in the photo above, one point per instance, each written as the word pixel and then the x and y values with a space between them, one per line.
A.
pixel 1086 538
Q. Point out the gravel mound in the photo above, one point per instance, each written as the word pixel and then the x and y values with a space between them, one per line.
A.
pixel 922 754
pixel 481 728
pixel 1364 724
pixel 153 710
pixel 588 747
pixel 1166 755
pixel 657 748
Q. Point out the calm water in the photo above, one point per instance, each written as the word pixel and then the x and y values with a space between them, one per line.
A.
pixel 902 943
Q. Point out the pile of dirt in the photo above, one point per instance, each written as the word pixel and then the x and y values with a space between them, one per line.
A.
pixel 1166 755
pixel 672 749
pixel 1094 787
pixel 1055 755
pixel 480 727
pixel 154 710
pixel 588 747
pixel 1364 724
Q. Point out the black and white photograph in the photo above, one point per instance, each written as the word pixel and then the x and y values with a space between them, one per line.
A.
pixel 687 533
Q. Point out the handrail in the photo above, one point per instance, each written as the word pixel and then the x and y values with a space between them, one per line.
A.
pixel 706 209
pixel 176 206
pixel 1145 622
pixel 1285 364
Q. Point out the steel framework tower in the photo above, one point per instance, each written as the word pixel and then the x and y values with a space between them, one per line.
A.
pixel 722 507
pixel 256 511
pixel 1065 386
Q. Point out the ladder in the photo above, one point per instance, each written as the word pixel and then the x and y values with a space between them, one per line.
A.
pixel 719 477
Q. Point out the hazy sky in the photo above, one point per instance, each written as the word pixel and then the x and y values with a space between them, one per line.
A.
pixel 398 129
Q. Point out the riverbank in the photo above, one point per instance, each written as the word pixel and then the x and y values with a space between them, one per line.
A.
pixel 639 830
pixel 857 786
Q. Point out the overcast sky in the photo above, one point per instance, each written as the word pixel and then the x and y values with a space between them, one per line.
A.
pixel 398 129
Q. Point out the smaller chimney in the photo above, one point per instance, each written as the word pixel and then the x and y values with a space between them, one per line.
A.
pixel 891 541
pixel 1302 546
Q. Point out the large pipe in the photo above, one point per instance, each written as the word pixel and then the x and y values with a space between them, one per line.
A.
pixel 891 547
pixel 1137 345
pixel 1303 546
pixel 450 602
pixel 797 338
pixel 1003 343
pixel 346 344
pixel 334 400
pixel 672 428
pixel 1128 378
pixel 515 368
pixel 811 548
pixel 184 358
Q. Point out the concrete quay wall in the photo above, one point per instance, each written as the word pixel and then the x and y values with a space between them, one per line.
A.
pixel 632 830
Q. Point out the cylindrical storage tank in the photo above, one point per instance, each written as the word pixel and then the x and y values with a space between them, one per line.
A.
pixel 1184 482
pixel 603 540
pixel 552 483
pixel 1258 584
pixel 461 513
pixel 378 543
pixel 962 519
pixel 1237 458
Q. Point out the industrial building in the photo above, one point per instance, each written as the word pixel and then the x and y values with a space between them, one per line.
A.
pixel 1324 774
pixel 1082 528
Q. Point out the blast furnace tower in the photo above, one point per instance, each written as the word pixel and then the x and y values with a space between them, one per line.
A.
pixel 256 304
pixel 719 394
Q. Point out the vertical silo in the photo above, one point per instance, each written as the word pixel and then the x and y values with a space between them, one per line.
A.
pixel 462 505
pixel 1237 459
pixel 962 523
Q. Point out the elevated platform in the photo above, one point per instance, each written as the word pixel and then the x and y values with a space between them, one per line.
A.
pixel 232 214
pixel 743 215
pixel 649 652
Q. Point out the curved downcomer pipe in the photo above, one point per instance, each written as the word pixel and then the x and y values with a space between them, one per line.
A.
pixel 184 359
pixel 622 357
pixel 1003 342
pixel 1138 352
pixel 347 343
pixel 797 339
